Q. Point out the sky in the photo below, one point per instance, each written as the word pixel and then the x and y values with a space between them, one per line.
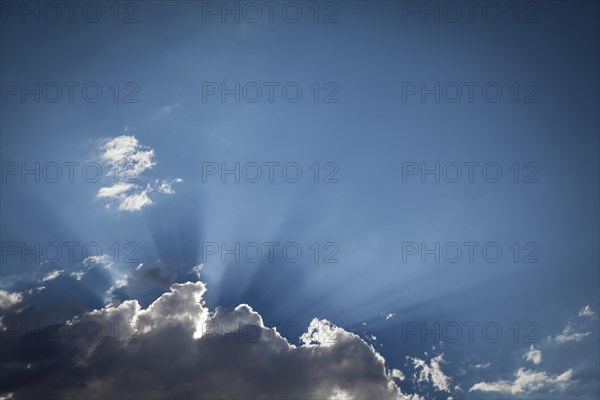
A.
pixel 352 199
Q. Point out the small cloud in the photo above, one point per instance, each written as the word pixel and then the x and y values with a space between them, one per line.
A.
pixel 126 152
pixel 197 269
pixel 534 355
pixel 35 290
pixel 9 299
pixel 128 160
pixel 526 381
pixel 164 111
pixel 97 260
pixel 432 372
pixel 481 366
pixel 115 191
pixel 78 275
pixel 569 334
pixel 397 374
pixel 574 331
pixel 586 312
pixel 52 275
pixel 136 201
pixel 166 187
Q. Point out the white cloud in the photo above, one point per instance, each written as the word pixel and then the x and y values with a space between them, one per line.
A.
pixel 127 152
pixel 526 381
pixel 127 160
pixel 569 334
pixel 166 187
pixel 9 299
pixel 78 275
pixel 115 190
pixel 136 201
pixel 586 312
pixel 397 374
pixel 52 275
pixel 432 372
pixel 534 355
pixel 103 260
pixel 197 269
pixel 177 348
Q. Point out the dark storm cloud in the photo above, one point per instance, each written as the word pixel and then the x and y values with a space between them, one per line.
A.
pixel 176 348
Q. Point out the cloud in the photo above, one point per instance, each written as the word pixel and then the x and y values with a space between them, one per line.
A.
pixel 115 190
pixel 128 160
pixel 78 275
pixel 569 334
pixel 166 187
pixel 127 153
pixel 52 275
pixel 135 201
pixel 164 111
pixel 526 381
pixel 177 348
pixel 432 373
pixel 574 330
pixel 9 299
pixel 586 312
pixel 102 260
pixel 534 355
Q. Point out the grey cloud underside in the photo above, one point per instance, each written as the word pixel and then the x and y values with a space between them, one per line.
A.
pixel 176 353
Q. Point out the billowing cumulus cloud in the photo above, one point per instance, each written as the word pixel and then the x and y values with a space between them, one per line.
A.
pixel 177 348
pixel 128 160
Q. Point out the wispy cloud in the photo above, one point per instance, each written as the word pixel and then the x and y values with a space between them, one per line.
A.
pixel 432 372
pixel 52 275
pixel 574 330
pixel 526 381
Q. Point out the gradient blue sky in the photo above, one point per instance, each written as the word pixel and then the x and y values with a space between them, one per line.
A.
pixel 369 134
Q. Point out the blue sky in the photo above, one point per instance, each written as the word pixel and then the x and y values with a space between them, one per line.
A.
pixel 364 132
